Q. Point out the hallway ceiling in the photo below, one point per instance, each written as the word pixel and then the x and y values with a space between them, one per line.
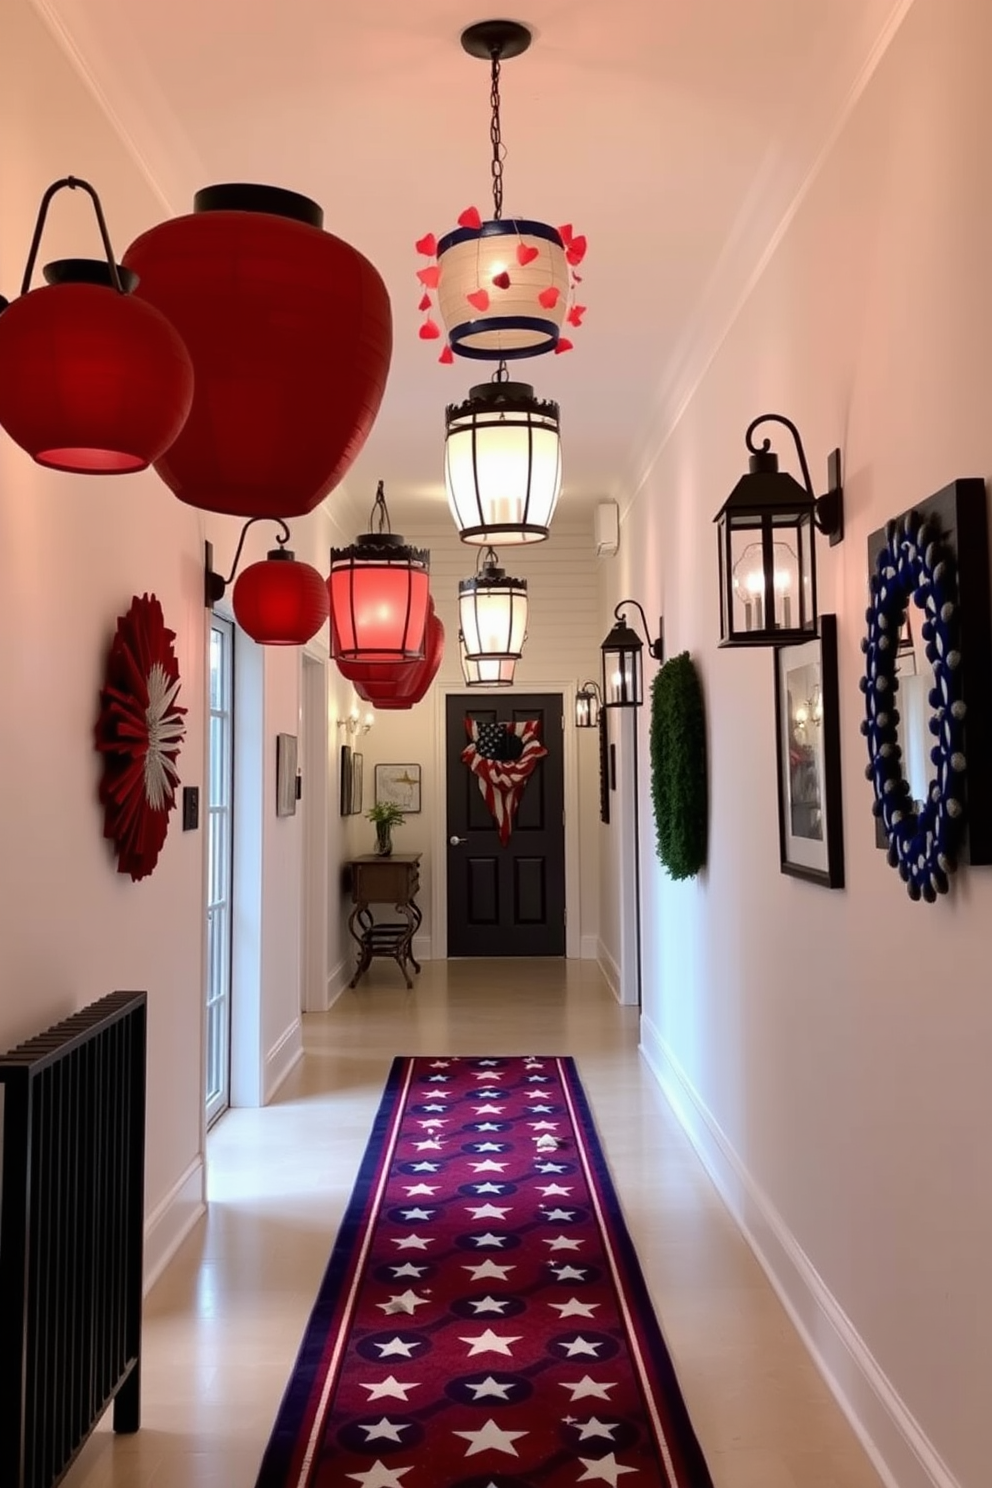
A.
pixel 676 134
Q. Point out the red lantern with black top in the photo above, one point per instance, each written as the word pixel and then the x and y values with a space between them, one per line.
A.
pixel 290 333
pixel 380 592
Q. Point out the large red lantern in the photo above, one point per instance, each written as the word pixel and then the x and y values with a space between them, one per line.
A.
pixel 424 673
pixel 278 601
pixel 290 333
pixel 380 590
pixel 92 379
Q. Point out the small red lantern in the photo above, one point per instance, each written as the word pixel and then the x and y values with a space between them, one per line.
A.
pixel 92 379
pixel 278 601
pixel 290 333
pixel 380 591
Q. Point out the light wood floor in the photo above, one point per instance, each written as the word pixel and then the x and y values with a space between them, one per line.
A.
pixel 223 1324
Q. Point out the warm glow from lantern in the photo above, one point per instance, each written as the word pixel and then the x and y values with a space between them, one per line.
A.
pixel 502 464
pixel 512 321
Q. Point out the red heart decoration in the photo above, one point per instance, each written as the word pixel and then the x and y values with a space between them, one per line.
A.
pixel 430 330
pixel 427 245
pixel 563 344
pixel 446 356
pixel 576 250
pixel 470 218
pixel 549 297
pixel 502 281
pixel 479 298
pixel 575 315
pixel 525 253
pixel 425 302
pixel 565 233
pixel 429 277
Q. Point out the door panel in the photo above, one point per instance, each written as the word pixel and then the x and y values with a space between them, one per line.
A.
pixel 506 901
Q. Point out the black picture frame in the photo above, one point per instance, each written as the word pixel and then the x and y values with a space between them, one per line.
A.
pixel 960 510
pixel 604 768
pixel 286 754
pixel 807 734
pixel 345 782
pixel 357 782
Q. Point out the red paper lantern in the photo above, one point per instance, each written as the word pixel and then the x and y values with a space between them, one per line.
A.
pixel 424 672
pixel 280 602
pixel 380 591
pixel 290 333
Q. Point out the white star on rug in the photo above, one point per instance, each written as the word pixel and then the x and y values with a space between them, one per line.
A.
pixel 592 1427
pixel 429 1144
pixel 433 1122
pixel 607 1468
pixel 487 1126
pixel 408 1270
pixel 580 1345
pixel 435 1107
pixel 489 1094
pixel 488 1166
pixel 380 1476
pixel 562 1242
pixel 490 1387
pixel 490 1146
pixel 566 1273
pixel 491 1438
pixel 489 1110
pixel 426 1167
pixel 539 1079
pixel 385 1430
pixel 488 1211
pixel 492 1343
pixel 547 1189
pixel 574 1308
pixel 488 1269
pixel 537 1110
pixel 489 1239
pixel 586 1386
pixel 561 1214
pixel 543 1125
pixel 407 1302
pixel 398 1348
pixel 544 1095
pixel 550 1167
pixel 390 1386
pixel 494 1188
pixel 430 1189
pixel 417 1213
pixel 440 1064
pixel 489 1304
pixel 498 1076
pixel 412 1242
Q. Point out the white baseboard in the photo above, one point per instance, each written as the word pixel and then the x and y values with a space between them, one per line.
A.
pixel 338 980
pixel 609 968
pixel 894 1440
pixel 285 1053
pixel 422 948
pixel 589 948
pixel 171 1221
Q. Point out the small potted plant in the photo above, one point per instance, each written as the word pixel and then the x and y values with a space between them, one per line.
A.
pixel 386 815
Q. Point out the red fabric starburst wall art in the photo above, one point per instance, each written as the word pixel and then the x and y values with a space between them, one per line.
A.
pixel 139 733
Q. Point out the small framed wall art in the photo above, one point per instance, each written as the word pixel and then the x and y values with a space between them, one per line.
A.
pixel 357 771
pixel 285 774
pixel 398 785
pixel 807 718
pixel 344 806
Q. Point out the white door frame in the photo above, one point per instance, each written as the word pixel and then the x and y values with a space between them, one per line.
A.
pixel 573 901
pixel 314 881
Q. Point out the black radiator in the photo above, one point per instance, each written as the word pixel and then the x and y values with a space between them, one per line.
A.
pixel 71 1225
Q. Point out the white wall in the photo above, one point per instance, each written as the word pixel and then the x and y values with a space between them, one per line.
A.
pixel 830 1051
pixel 73 551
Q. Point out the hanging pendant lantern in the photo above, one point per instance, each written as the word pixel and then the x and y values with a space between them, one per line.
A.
pixel 421 674
pixel 492 613
pixel 505 286
pixel 502 463
pixel 485 672
pixel 278 601
pixel 290 333
pixel 92 379
pixel 380 590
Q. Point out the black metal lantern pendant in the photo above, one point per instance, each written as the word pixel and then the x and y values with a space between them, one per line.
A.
pixel 502 463
pixel 767 549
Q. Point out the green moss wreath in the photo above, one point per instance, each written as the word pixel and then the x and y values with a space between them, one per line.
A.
pixel 678 766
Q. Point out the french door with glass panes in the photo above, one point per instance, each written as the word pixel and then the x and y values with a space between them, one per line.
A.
pixel 220 805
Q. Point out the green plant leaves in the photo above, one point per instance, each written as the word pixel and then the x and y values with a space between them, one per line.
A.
pixel 679 788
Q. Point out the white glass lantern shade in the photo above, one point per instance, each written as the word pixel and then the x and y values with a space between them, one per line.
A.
pixel 502 464
pixel 486 671
pixel 492 613
pixel 503 289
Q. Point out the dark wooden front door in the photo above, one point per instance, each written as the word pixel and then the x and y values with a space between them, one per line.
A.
pixel 506 901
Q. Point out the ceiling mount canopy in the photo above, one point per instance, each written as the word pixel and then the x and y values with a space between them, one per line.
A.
pixel 505 285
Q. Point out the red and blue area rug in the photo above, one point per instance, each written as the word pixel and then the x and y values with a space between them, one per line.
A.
pixel 483 1321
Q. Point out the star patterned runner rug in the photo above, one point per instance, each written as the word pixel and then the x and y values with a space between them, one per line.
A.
pixel 483 1321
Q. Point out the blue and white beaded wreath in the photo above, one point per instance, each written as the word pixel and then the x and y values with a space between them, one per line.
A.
pixel 915 563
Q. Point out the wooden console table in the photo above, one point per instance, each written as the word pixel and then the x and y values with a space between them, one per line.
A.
pixel 395 881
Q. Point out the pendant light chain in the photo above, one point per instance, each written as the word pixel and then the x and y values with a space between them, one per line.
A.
pixel 497 140
pixel 380 511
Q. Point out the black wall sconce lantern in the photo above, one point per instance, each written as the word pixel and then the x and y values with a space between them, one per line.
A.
pixel 588 701
pixel 623 668
pixel 766 545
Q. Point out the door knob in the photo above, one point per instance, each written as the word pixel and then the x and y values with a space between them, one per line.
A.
pixel 457 841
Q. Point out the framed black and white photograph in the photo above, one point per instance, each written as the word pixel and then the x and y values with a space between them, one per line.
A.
pixel 808 737
pixel 357 771
pixel 285 774
pixel 345 803
pixel 398 785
